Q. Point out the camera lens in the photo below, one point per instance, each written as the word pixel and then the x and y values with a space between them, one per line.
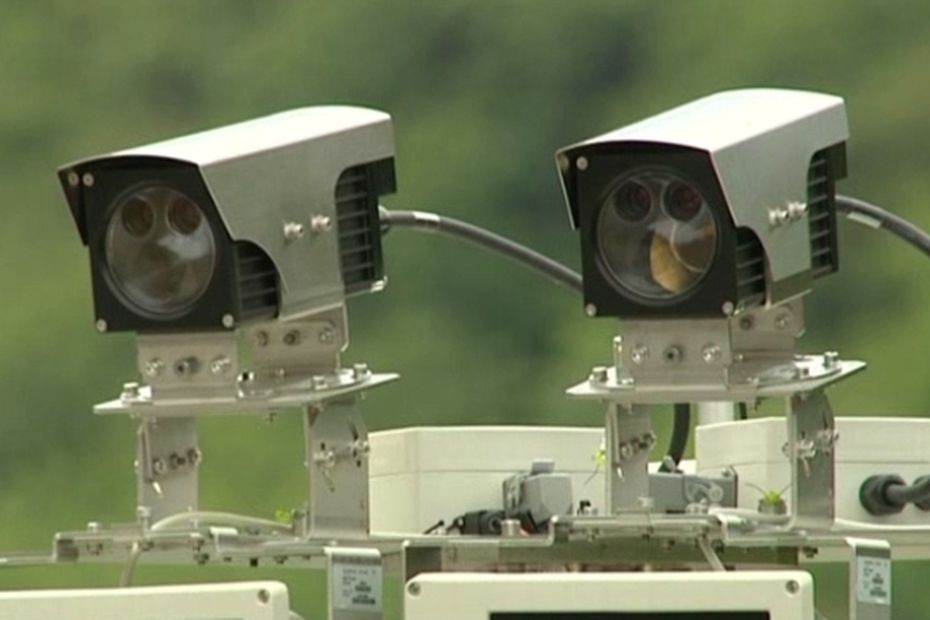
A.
pixel 656 254
pixel 682 201
pixel 138 217
pixel 160 252
pixel 632 201
pixel 184 216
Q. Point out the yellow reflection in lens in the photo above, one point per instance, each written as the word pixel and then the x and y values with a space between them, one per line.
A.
pixel 679 255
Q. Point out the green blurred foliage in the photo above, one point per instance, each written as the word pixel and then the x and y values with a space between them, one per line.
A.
pixel 482 94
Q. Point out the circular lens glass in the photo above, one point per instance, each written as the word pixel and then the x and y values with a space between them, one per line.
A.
pixel 160 250
pixel 631 201
pixel 664 252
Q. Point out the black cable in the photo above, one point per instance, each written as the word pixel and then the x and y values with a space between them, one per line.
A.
pixel 681 428
pixel 431 222
pixel 451 227
pixel 872 215
pixel 904 494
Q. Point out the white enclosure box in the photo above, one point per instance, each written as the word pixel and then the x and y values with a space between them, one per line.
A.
pixel 704 595
pixel 866 446
pixel 252 600
pixel 420 476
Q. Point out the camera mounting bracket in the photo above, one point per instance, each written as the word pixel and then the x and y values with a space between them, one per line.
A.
pixel 294 365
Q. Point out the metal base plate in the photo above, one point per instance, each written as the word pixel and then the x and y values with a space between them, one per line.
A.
pixel 285 395
pixel 779 383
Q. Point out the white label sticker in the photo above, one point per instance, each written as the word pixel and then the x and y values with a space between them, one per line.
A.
pixel 356 586
pixel 873 580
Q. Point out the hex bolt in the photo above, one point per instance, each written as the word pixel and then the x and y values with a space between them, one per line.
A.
pixel 321 224
pixel 360 371
pixel 639 354
pixel 130 391
pixel 625 451
pixel 831 360
pixel 327 335
pixel 293 231
pixel 711 353
pixel 153 367
pixel 783 321
pixel 159 466
pixel 599 374
pixel 796 210
pixel 220 365
pixel 778 217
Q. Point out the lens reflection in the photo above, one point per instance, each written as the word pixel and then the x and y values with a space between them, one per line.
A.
pixel 668 250
pixel 160 250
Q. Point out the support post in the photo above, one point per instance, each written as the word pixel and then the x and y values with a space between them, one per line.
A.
pixel 337 460
pixel 629 439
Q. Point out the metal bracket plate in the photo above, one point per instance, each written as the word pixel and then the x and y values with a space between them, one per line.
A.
pixel 811 450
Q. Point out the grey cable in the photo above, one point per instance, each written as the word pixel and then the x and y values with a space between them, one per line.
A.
pixel 874 216
pixel 451 227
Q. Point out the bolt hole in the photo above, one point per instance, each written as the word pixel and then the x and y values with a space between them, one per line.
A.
pixel 264 596
pixel 793 587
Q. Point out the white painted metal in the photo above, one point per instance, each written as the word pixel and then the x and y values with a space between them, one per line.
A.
pixel 784 595
pixel 250 600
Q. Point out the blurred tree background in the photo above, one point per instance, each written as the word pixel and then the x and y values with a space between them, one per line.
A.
pixel 482 94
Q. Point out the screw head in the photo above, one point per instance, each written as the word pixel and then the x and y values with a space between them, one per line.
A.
pixel 728 308
pixel 792 587
pixel 783 321
pixel 711 353
pixel 101 325
pixel 228 320
pixel 220 365
pixel 74 179
pixel 264 596
pixel 292 338
pixel 599 374
pixel 413 588
pixel 261 338
pixel 590 310
pixel 153 367
pixel 159 466
pixel 293 231
pixel 639 354
pixel 360 371
pixel 320 224
pixel 327 335
pixel 88 179
pixel 581 163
